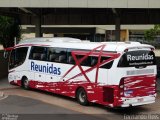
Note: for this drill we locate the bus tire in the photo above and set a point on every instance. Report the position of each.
(25, 83)
(81, 96)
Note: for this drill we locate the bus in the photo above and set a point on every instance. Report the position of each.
(113, 74)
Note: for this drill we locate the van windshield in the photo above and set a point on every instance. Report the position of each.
(140, 58)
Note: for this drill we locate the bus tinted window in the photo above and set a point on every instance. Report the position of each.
(17, 57)
(70, 59)
(92, 61)
(63, 55)
(58, 55)
(107, 65)
(86, 61)
(137, 59)
(38, 53)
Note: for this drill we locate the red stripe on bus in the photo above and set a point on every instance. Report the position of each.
(86, 55)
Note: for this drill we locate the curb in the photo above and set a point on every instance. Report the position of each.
(9, 88)
(3, 96)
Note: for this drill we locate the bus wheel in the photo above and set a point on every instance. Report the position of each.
(82, 97)
(25, 83)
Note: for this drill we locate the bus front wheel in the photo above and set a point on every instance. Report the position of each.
(25, 83)
(82, 97)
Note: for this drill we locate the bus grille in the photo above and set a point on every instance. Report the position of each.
(139, 72)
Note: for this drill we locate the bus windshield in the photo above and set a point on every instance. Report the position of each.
(140, 58)
(17, 57)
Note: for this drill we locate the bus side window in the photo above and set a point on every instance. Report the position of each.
(58, 55)
(43, 57)
(71, 60)
(86, 61)
(62, 58)
(38, 53)
(36, 56)
(106, 65)
(52, 57)
(94, 61)
(51, 54)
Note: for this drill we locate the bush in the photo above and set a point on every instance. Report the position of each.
(9, 29)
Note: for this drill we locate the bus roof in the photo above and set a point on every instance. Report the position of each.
(74, 43)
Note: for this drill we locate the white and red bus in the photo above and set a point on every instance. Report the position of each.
(115, 74)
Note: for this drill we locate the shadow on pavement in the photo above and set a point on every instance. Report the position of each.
(4, 84)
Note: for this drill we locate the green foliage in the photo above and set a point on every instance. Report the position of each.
(152, 33)
(9, 29)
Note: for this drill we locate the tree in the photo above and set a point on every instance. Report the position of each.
(152, 33)
(9, 29)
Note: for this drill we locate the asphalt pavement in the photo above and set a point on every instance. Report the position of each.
(18, 104)
(4, 84)
(22, 108)
(14, 107)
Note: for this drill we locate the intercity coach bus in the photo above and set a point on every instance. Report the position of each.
(114, 74)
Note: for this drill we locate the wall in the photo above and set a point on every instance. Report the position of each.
(124, 35)
(3, 66)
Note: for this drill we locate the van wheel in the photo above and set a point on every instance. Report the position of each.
(25, 83)
(82, 97)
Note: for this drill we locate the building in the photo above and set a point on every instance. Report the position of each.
(97, 20)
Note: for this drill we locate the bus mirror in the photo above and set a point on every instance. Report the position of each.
(5, 54)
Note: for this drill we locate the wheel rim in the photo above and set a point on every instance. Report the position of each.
(82, 96)
(26, 83)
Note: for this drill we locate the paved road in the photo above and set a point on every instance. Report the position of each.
(27, 109)
(37, 104)
(4, 84)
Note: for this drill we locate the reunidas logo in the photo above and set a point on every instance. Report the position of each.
(140, 57)
(48, 68)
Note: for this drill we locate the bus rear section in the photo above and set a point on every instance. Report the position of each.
(133, 80)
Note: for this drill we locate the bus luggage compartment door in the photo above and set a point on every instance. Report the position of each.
(108, 94)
